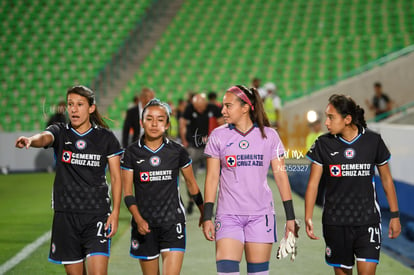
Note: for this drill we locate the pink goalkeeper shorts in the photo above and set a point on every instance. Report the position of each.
(245, 228)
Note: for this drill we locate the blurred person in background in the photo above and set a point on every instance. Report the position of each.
(59, 116)
(212, 99)
(315, 128)
(194, 129)
(131, 125)
(272, 104)
(380, 102)
(256, 83)
(133, 115)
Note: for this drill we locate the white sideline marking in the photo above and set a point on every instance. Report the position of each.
(24, 253)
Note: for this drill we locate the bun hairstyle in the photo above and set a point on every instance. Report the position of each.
(84, 91)
(252, 98)
(345, 105)
(159, 103)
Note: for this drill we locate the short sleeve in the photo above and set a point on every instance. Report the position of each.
(188, 112)
(278, 150)
(185, 159)
(315, 152)
(54, 129)
(114, 147)
(126, 163)
(213, 146)
(383, 154)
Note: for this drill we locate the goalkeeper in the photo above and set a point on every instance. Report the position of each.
(239, 156)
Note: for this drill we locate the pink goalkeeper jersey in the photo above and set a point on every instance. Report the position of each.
(245, 160)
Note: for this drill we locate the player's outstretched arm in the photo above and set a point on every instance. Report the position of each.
(389, 189)
(310, 198)
(116, 189)
(39, 140)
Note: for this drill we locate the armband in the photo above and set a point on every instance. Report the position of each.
(208, 211)
(130, 200)
(289, 211)
(395, 214)
(197, 198)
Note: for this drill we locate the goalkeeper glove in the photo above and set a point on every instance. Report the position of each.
(288, 245)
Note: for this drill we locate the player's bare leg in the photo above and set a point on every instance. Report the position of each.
(342, 271)
(172, 262)
(75, 269)
(97, 265)
(229, 249)
(258, 252)
(150, 267)
(366, 268)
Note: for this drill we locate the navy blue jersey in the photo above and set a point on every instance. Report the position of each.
(81, 160)
(155, 179)
(348, 171)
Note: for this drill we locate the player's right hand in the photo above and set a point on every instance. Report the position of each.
(22, 142)
(143, 227)
(209, 230)
(309, 229)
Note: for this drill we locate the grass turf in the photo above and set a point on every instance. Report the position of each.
(26, 215)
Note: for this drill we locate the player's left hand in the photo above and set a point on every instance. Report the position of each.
(112, 224)
(394, 228)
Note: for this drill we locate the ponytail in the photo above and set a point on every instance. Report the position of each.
(84, 91)
(345, 105)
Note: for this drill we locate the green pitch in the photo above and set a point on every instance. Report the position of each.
(26, 215)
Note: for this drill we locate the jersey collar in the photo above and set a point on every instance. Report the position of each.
(233, 127)
(361, 131)
(68, 126)
(141, 144)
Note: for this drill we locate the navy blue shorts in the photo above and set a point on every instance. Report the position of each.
(344, 244)
(78, 236)
(160, 239)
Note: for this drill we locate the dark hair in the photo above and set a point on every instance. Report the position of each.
(377, 84)
(212, 95)
(159, 103)
(257, 115)
(84, 91)
(345, 105)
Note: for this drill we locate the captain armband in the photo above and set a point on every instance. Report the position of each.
(129, 201)
(197, 198)
(208, 211)
(289, 211)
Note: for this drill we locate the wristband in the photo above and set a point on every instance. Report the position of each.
(197, 198)
(129, 201)
(289, 211)
(395, 214)
(208, 211)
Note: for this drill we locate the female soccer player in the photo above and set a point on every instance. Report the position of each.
(151, 166)
(239, 154)
(83, 223)
(345, 158)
